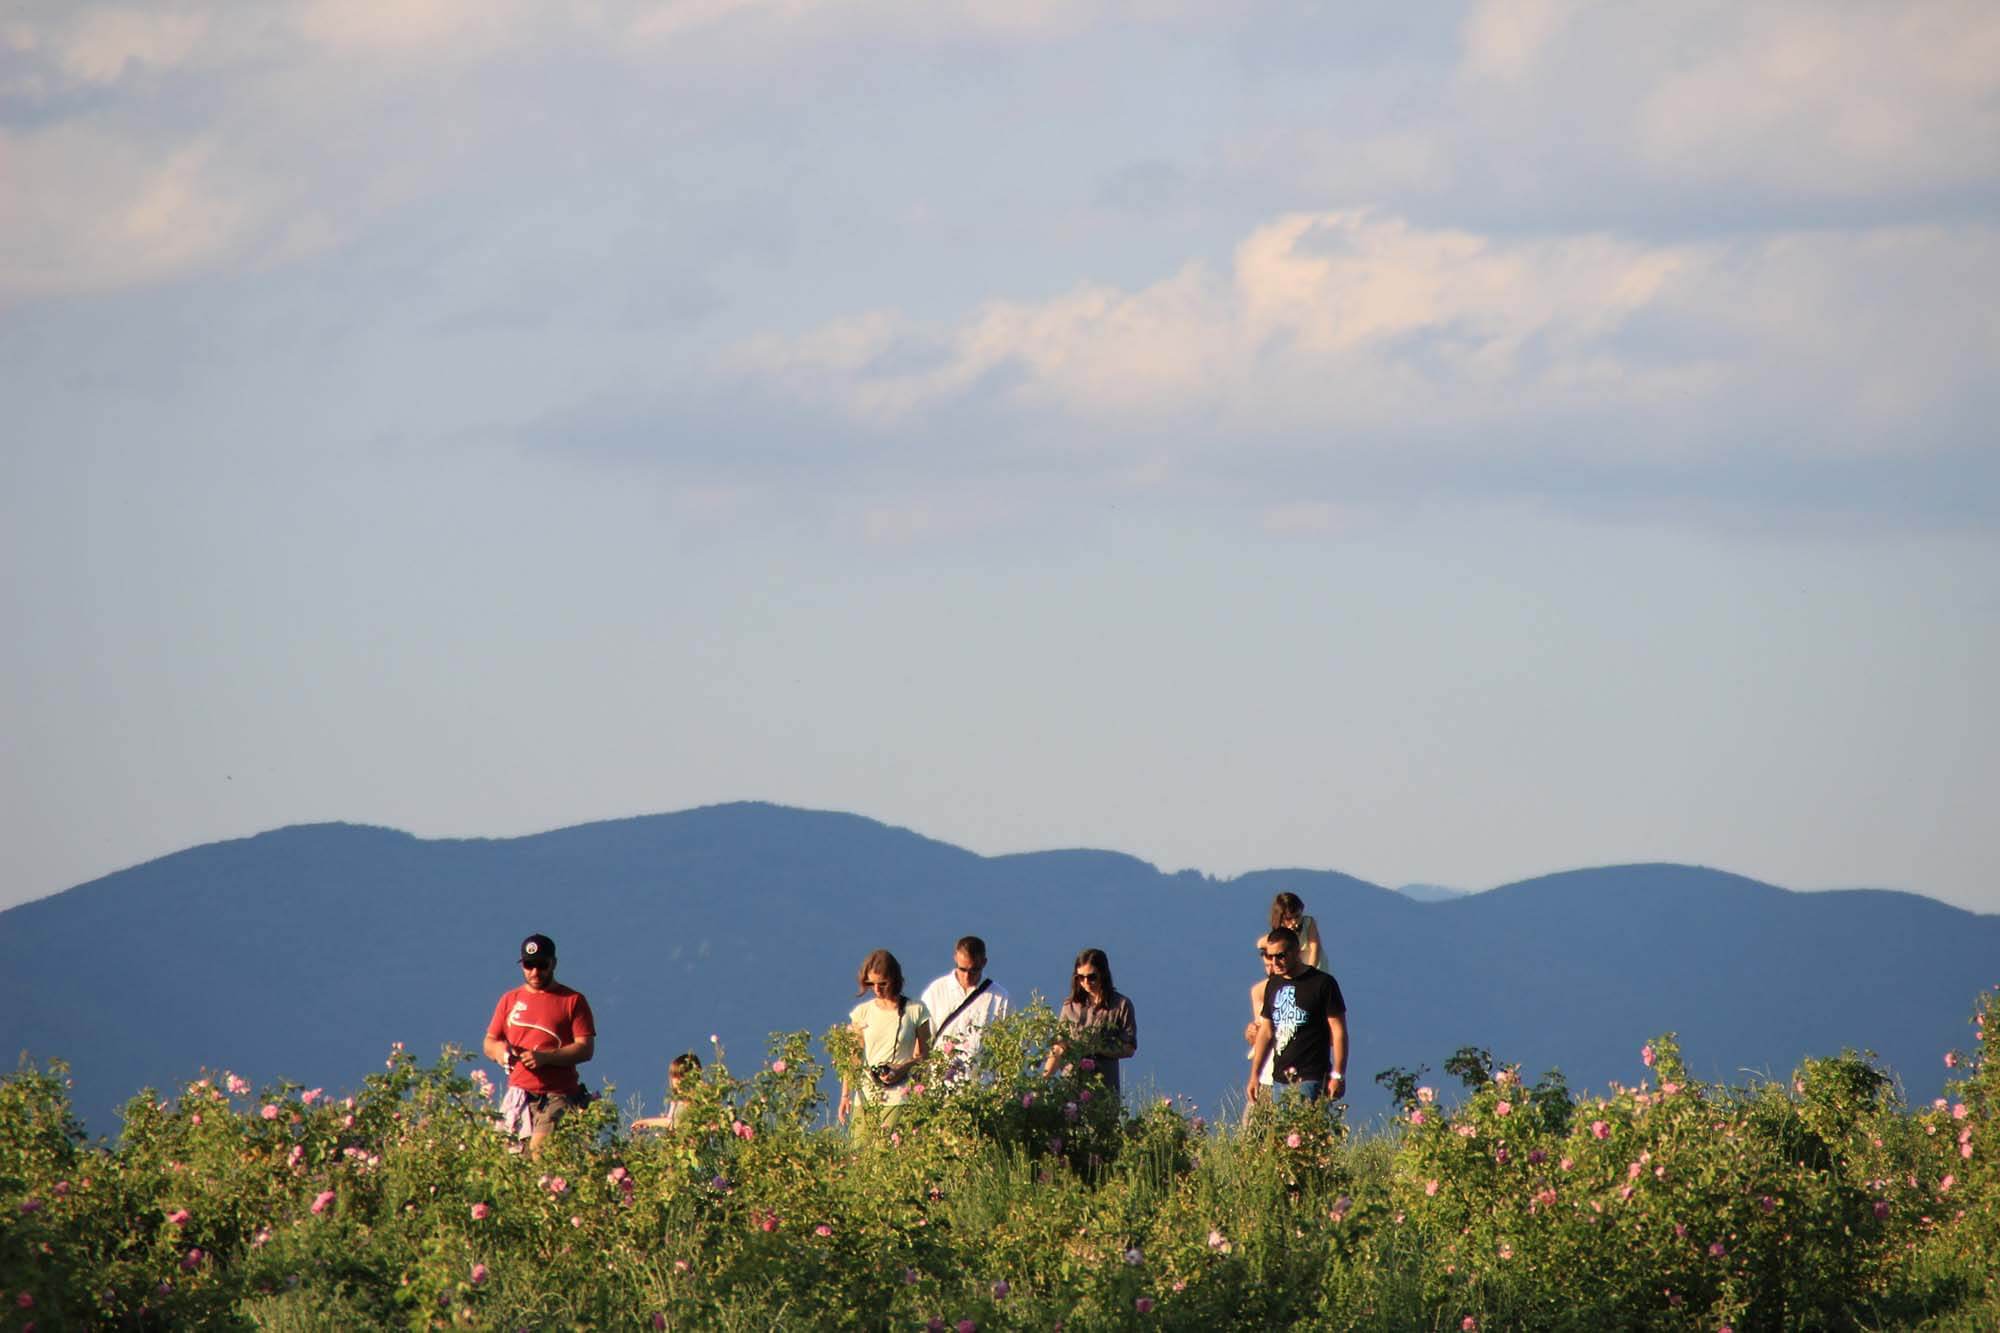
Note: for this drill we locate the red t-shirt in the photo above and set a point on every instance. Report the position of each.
(541, 1020)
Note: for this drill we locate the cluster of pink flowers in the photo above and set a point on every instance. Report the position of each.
(321, 1203)
(742, 1131)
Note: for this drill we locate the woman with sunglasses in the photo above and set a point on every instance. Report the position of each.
(895, 1034)
(1096, 1020)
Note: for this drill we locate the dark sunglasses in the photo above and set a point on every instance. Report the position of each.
(1274, 957)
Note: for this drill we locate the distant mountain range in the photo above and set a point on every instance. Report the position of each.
(304, 952)
(1430, 893)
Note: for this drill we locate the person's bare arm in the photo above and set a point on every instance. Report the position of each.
(1260, 1047)
(1256, 1009)
(1336, 1030)
(561, 1057)
(1309, 947)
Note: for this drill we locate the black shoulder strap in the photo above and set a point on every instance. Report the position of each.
(977, 991)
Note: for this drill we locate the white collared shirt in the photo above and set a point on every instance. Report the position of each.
(945, 994)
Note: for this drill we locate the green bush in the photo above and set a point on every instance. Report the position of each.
(1011, 1200)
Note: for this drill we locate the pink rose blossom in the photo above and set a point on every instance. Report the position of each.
(1416, 1117)
(1646, 1055)
(239, 1086)
(778, 1066)
(320, 1203)
(25, 1301)
(1469, 1324)
(1430, 1189)
(1944, 1186)
(1506, 1251)
(1717, 1250)
(1503, 1108)
(1086, 1064)
(478, 1274)
(967, 1326)
(1293, 1140)
(1566, 1163)
(179, 1217)
(558, 1185)
(191, 1260)
(1881, 1210)
(1000, 1290)
(822, 1230)
(269, 1112)
(1599, 1129)
(1144, 1305)
(1951, 1059)
(480, 1212)
(1958, 1112)
(659, 1321)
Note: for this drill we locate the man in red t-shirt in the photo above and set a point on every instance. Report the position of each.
(540, 1032)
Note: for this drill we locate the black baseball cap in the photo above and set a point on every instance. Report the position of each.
(538, 949)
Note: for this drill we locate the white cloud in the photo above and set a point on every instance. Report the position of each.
(1868, 97)
(106, 42)
(1504, 39)
(89, 211)
(1781, 95)
(1325, 319)
(1347, 325)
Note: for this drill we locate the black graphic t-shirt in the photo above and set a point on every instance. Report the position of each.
(1298, 1008)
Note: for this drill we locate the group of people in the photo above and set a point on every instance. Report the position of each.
(542, 1030)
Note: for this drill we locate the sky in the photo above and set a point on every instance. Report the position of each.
(1444, 446)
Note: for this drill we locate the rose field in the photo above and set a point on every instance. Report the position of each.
(1016, 1201)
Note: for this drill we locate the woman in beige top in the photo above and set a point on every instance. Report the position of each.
(895, 1034)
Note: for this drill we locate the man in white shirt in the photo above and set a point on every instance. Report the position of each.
(962, 1002)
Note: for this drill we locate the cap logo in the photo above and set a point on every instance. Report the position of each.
(532, 947)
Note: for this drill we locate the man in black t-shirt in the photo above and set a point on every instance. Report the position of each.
(1305, 1018)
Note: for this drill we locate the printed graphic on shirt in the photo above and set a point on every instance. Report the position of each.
(1286, 1016)
(514, 1020)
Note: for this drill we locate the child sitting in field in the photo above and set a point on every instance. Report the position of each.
(686, 1063)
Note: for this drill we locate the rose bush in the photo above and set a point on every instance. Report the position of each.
(1009, 1200)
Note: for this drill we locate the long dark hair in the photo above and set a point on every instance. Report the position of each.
(884, 962)
(1287, 905)
(1096, 958)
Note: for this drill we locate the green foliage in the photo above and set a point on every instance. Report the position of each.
(1012, 1200)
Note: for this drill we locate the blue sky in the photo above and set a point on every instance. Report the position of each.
(1441, 447)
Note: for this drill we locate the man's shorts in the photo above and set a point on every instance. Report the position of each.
(526, 1115)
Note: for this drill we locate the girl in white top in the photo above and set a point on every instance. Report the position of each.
(895, 1034)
